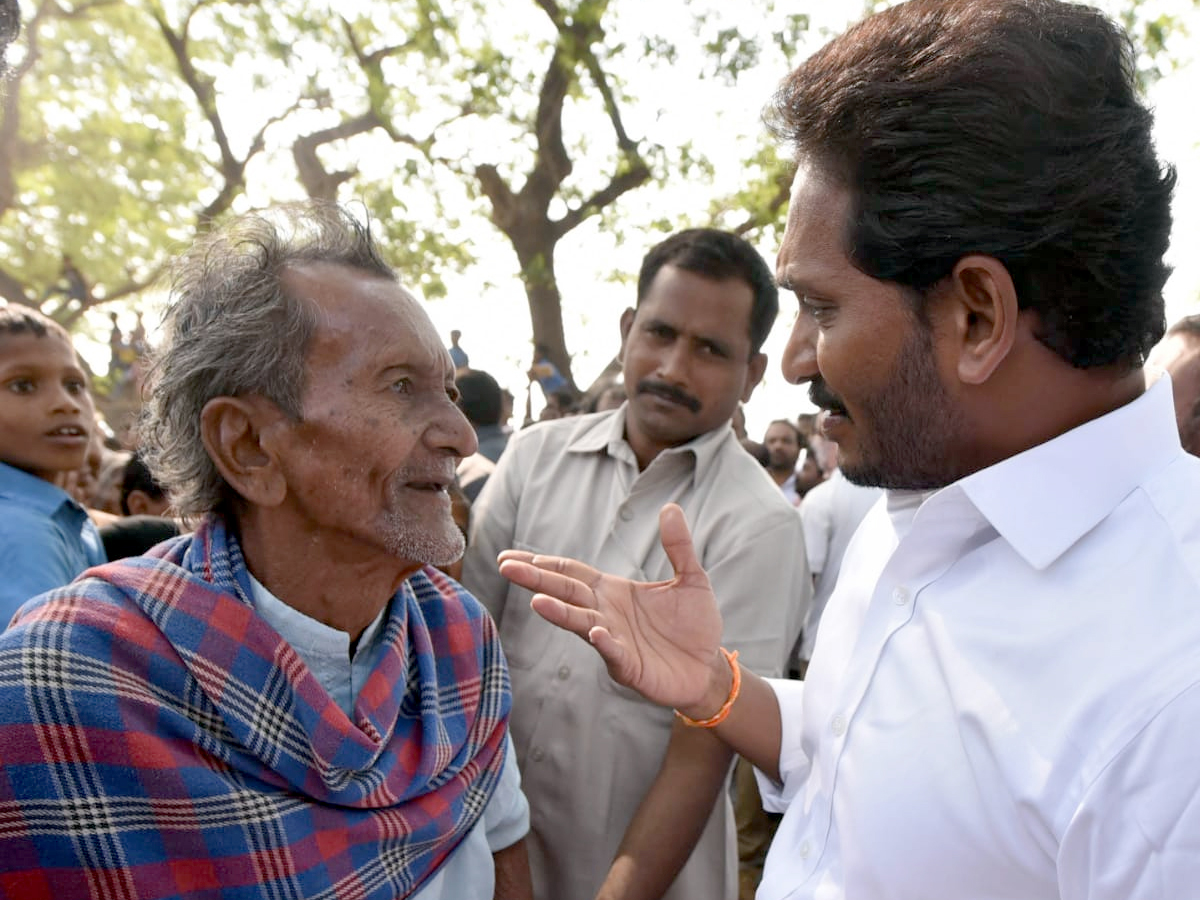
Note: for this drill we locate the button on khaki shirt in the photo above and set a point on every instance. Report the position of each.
(589, 749)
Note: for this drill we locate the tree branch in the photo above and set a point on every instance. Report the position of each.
(620, 184)
(319, 183)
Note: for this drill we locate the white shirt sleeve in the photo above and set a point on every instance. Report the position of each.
(470, 871)
(506, 817)
(793, 764)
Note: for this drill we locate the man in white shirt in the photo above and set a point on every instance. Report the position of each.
(831, 512)
(1004, 696)
(619, 795)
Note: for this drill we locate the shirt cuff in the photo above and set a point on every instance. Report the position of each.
(789, 694)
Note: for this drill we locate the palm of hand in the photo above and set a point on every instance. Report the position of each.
(661, 639)
(668, 633)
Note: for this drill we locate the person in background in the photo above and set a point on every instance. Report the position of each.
(290, 701)
(1004, 696)
(46, 421)
(482, 402)
(144, 522)
(458, 355)
(757, 451)
(610, 398)
(783, 443)
(831, 513)
(559, 405)
(627, 801)
(1179, 354)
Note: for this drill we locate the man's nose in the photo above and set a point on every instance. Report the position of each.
(673, 363)
(799, 362)
(454, 432)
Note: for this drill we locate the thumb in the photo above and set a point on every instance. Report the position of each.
(677, 542)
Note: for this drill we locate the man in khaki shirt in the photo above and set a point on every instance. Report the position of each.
(619, 793)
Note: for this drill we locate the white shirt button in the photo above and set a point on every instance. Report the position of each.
(564, 672)
(900, 596)
(805, 850)
(839, 725)
(626, 514)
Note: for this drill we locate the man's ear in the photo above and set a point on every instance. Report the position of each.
(138, 502)
(755, 369)
(984, 305)
(626, 325)
(236, 433)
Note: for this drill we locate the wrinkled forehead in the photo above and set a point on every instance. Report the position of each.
(362, 319)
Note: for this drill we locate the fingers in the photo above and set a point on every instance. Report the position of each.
(570, 618)
(677, 542)
(550, 575)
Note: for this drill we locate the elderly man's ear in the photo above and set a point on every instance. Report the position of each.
(241, 436)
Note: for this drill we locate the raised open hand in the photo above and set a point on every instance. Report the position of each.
(662, 639)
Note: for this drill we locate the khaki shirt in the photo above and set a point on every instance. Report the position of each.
(588, 748)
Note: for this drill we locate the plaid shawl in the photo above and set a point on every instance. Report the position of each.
(159, 739)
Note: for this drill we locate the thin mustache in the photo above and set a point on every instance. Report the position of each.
(821, 396)
(670, 392)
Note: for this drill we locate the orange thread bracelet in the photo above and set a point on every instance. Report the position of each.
(723, 713)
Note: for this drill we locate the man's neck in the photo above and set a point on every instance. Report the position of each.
(334, 582)
(781, 475)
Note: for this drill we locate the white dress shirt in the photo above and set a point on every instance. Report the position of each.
(1005, 700)
(469, 872)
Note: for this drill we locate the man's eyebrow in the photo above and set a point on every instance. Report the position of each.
(793, 283)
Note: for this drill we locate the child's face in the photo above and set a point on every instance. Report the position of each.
(46, 412)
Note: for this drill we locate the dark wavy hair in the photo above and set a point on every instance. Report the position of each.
(718, 255)
(18, 319)
(1010, 128)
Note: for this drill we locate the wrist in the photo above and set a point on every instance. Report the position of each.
(724, 685)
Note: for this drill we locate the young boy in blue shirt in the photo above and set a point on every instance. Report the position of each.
(46, 418)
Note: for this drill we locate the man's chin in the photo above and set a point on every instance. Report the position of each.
(432, 547)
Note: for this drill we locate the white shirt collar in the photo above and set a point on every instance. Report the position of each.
(325, 650)
(1043, 500)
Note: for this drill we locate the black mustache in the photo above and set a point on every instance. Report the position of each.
(820, 395)
(670, 393)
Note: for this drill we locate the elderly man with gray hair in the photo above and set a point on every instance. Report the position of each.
(289, 702)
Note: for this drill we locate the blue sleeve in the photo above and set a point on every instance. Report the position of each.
(34, 558)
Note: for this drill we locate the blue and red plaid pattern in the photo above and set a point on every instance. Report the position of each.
(158, 739)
